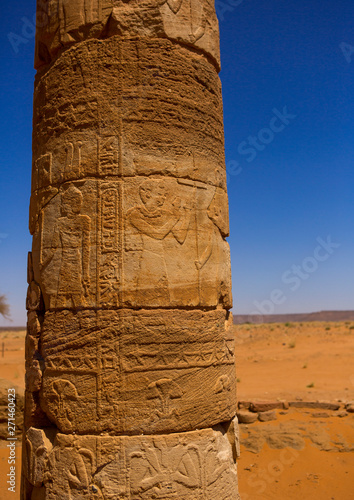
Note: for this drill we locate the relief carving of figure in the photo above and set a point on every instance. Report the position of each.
(218, 210)
(214, 224)
(154, 221)
(72, 236)
(37, 448)
(216, 220)
(160, 473)
(68, 478)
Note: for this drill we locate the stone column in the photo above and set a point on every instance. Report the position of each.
(131, 384)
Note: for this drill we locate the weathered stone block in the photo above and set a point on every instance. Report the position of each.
(62, 24)
(318, 405)
(132, 372)
(267, 416)
(246, 417)
(263, 406)
(186, 466)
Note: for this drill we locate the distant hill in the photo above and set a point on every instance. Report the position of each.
(240, 319)
(287, 318)
(12, 328)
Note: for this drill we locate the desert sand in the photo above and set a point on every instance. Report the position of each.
(304, 453)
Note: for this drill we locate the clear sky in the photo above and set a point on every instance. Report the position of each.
(287, 74)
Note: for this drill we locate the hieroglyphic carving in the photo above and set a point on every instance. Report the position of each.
(198, 21)
(223, 384)
(68, 396)
(108, 155)
(87, 364)
(212, 223)
(164, 391)
(73, 166)
(109, 214)
(186, 470)
(218, 213)
(38, 201)
(171, 356)
(34, 360)
(109, 272)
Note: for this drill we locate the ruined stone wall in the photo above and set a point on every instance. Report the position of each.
(130, 360)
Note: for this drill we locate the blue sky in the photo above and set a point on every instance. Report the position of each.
(287, 75)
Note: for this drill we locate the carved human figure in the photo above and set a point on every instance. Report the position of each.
(214, 223)
(68, 478)
(72, 235)
(37, 448)
(218, 210)
(214, 466)
(73, 160)
(154, 222)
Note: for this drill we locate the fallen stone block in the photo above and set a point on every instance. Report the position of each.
(261, 406)
(316, 405)
(246, 417)
(350, 407)
(267, 416)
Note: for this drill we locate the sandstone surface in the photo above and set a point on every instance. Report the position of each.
(130, 356)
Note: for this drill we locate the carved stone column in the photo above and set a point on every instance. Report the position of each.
(131, 384)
